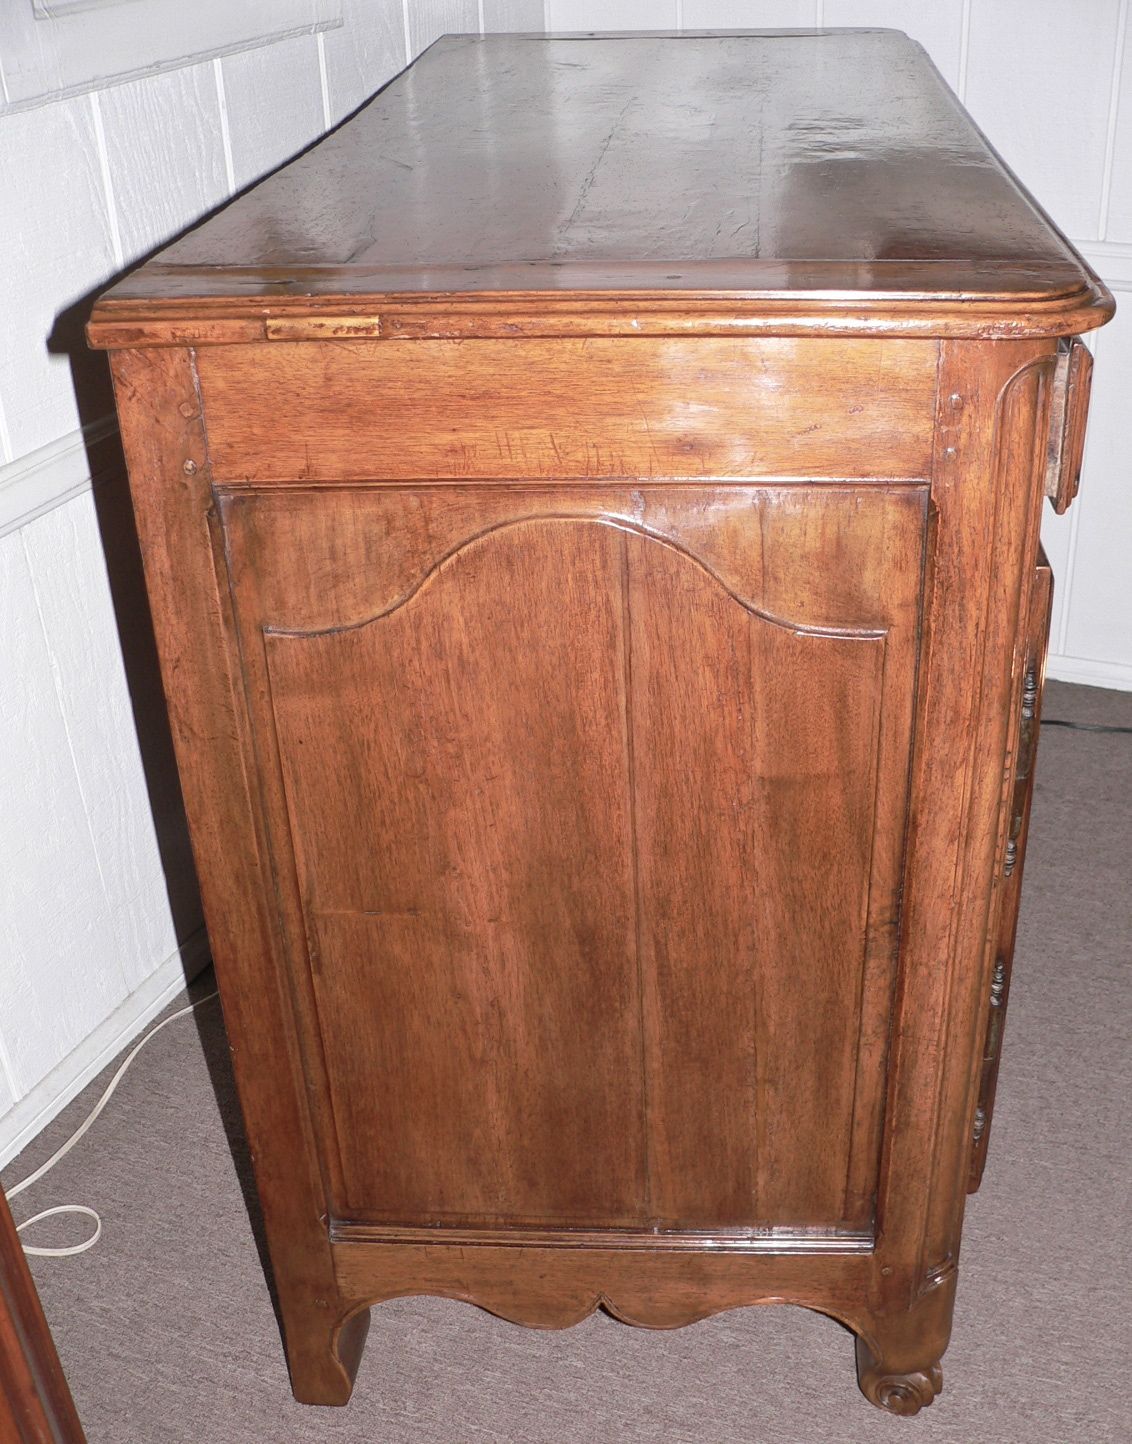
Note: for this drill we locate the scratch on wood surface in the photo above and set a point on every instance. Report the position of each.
(591, 174)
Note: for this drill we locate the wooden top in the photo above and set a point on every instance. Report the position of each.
(775, 181)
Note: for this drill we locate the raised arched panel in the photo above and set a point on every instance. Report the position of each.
(593, 863)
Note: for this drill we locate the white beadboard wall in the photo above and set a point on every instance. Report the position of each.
(94, 937)
(91, 944)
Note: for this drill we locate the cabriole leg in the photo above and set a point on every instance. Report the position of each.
(896, 1388)
(323, 1358)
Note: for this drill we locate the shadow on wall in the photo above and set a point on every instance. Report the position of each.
(90, 376)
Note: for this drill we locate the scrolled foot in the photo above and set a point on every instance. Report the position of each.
(896, 1393)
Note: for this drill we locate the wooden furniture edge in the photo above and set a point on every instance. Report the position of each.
(132, 323)
(35, 1403)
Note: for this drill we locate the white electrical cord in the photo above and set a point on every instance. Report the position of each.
(65, 1148)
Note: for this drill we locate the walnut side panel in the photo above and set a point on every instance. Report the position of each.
(457, 787)
(987, 492)
(769, 776)
(159, 409)
(290, 412)
(525, 754)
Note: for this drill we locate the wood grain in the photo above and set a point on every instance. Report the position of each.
(577, 866)
(473, 960)
(596, 725)
(601, 408)
(163, 440)
(35, 1402)
(631, 170)
(1029, 717)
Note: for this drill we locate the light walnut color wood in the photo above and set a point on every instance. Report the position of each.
(593, 408)
(592, 560)
(574, 609)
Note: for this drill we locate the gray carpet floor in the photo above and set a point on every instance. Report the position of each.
(167, 1333)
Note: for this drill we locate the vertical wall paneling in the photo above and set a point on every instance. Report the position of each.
(36, 1106)
(60, 972)
(7, 1085)
(225, 137)
(511, 15)
(61, 247)
(67, 47)
(1057, 534)
(737, 15)
(263, 135)
(1048, 112)
(1118, 220)
(5, 436)
(107, 182)
(1100, 605)
(1115, 86)
(612, 14)
(166, 154)
(964, 50)
(68, 569)
(366, 52)
(323, 81)
(938, 27)
(429, 19)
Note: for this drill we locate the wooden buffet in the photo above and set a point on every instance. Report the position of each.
(590, 510)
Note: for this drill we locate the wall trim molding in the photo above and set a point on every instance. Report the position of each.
(52, 53)
(1089, 673)
(35, 1110)
(52, 474)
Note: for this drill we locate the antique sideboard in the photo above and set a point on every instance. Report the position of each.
(590, 509)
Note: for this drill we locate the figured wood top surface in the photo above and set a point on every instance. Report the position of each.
(828, 176)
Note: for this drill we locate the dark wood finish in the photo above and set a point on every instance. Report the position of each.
(35, 1403)
(825, 181)
(594, 622)
(1029, 715)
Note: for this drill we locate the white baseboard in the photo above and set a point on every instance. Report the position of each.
(68, 1078)
(1089, 673)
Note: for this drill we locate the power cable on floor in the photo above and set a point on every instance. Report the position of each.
(65, 1148)
(1082, 726)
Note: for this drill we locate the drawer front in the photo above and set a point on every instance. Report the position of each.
(296, 412)
(587, 807)
(1030, 716)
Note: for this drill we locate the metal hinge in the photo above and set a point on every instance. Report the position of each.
(994, 1022)
(1027, 740)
